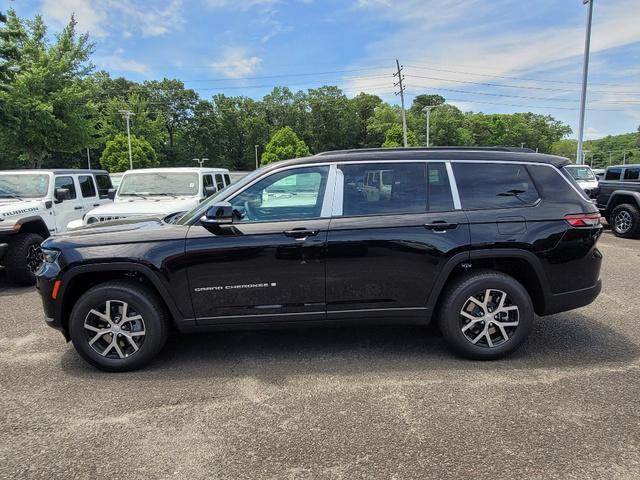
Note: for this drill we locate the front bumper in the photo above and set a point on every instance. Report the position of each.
(561, 302)
(45, 281)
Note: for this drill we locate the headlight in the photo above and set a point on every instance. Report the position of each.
(50, 256)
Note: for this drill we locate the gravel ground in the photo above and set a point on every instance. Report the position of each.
(373, 402)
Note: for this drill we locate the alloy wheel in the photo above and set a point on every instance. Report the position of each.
(35, 258)
(623, 222)
(114, 329)
(489, 319)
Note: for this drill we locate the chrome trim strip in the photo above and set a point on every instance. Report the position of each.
(329, 195)
(338, 194)
(259, 315)
(390, 309)
(454, 186)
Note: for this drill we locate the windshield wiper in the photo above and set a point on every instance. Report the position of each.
(162, 195)
(139, 195)
(6, 194)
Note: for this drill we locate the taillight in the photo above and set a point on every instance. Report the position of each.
(583, 219)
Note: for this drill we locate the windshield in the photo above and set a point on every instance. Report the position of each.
(159, 183)
(199, 210)
(23, 185)
(581, 173)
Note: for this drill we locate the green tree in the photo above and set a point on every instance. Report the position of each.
(421, 101)
(331, 123)
(115, 156)
(47, 106)
(364, 106)
(395, 137)
(283, 145)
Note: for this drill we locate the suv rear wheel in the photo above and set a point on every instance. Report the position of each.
(24, 258)
(625, 220)
(485, 315)
(119, 326)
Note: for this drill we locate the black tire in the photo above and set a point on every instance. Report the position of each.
(16, 263)
(452, 322)
(140, 299)
(625, 220)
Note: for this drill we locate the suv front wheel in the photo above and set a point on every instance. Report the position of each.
(486, 315)
(119, 326)
(625, 220)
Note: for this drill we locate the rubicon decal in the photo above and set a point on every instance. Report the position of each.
(20, 211)
(243, 286)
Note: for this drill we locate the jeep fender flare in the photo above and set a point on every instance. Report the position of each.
(464, 257)
(147, 272)
(618, 193)
(41, 229)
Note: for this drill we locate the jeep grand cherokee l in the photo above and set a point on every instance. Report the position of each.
(480, 240)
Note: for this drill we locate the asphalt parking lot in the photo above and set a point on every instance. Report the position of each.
(375, 402)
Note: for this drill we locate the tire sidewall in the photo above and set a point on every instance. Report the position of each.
(449, 321)
(634, 221)
(16, 261)
(154, 324)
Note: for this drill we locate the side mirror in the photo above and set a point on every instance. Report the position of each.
(111, 193)
(217, 216)
(62, 194)
(208, 191)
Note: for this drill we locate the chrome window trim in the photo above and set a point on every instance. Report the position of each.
(338, 193)
(457, 205)
(328, 199)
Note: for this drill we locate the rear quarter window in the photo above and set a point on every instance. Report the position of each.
(613, 174)
(494, 185)
(553, 186)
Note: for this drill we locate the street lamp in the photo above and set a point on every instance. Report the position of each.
(127, 115)
(427, 109)
(585, 72)
(256, 147)
(201, 161)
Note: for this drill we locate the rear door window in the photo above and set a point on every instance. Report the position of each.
(440, 198)
(87, 188)
(219, 181)
(631, 173)
(494, 185)
(227, 180)
(383, 188)
(207, 181)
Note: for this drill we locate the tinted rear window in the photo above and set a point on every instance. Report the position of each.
(631, 173)
(104, 184)
(379, 188)
(494, 185)
(553, 186)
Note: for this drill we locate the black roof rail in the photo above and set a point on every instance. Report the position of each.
(427, 149)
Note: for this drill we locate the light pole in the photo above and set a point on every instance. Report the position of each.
(427, 109)
(256, 147)
(585, 72)
(88, 158)
(201, 161)
(127, 115)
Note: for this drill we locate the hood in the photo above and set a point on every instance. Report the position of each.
(12, 208)
(116, 232)
(140, 206)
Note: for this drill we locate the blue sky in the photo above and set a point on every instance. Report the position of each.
(490, 56)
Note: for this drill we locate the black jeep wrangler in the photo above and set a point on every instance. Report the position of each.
(479, 240)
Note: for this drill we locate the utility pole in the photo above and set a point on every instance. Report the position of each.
(427, 109)
(127, 115)
(624, 158)
(201, 161)
(585, 73)
(401, 93)
(610, 154)
(256, 147)
(88, 158)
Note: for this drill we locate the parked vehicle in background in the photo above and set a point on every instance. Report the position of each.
(37, 203)
(585, 177)
(235, 176)
(480, 239)
(159, 192)
(619, 199)
(116, 178)
(599, 173)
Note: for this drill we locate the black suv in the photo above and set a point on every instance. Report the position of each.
(481, 240)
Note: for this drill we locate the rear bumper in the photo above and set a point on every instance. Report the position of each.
(561, 302)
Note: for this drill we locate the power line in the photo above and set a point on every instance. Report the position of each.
(524, 87)
(566, 82)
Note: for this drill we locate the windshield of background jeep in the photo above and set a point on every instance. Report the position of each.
(23, 185)
(581, 173)
(159, 183)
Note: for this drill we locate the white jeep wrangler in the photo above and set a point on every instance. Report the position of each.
(37, 203)
(161, 192)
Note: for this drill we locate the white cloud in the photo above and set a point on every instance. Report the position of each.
(101, 17)
(242, 4)
(89, 17)
(118, 62)
(235, 62)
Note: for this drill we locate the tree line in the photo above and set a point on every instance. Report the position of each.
(54, 106)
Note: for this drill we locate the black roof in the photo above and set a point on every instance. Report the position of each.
(58, 171)
(433, 153)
